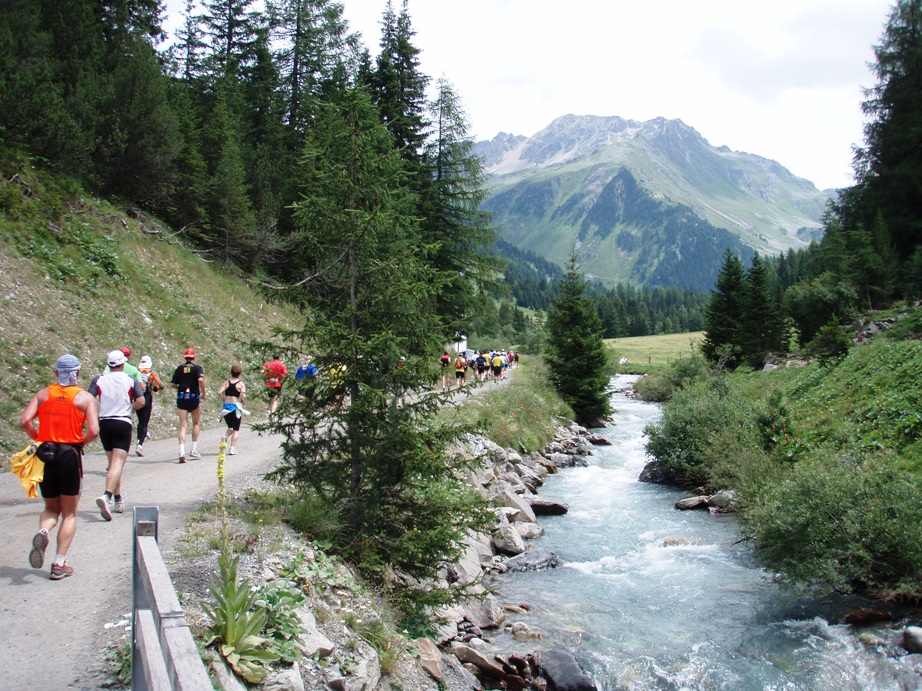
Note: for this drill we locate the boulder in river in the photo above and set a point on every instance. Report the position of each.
(563, 673)
(532, 560)
(699, 502)
(912, 639)
(542, 506)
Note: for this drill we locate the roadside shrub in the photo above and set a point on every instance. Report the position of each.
(852, 524)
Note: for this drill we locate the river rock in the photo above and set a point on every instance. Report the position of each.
(547, 507)
(430, 659)
(506, 539)
(598, 440)
(524, 632)
(521, 504)
(563, 673)
(725, 500)
(700, 502)
(529, 531)
(532, 560)
(866, 616)
(655, 473)
(486, 614)
(912, 639)
(484, 665)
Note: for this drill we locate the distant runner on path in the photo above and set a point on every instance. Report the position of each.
(275, 372)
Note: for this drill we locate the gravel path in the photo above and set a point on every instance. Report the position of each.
(53, 631)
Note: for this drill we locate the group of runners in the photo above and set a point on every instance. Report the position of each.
(484, 364)
(62, 418)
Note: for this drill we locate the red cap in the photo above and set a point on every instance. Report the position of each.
(189, 353)
(126, 351)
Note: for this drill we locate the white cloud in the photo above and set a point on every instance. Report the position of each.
(782, 79)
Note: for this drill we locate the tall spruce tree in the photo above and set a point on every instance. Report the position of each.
(574, 350)
(316, 49)
(759, 327)
(399, 87)
(889, 166)
(453, 224)
(364, 286)
(724, 312)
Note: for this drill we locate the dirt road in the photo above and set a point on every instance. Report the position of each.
(53, 631)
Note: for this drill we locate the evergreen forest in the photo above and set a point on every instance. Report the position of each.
(207, 130)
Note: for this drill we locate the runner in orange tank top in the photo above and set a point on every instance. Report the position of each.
(62, 409)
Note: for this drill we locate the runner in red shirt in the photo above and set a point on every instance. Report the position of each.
(274, 372)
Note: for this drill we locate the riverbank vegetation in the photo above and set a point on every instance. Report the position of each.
(826, 460)
(825, 456)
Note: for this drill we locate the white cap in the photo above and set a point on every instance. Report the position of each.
(116, 358)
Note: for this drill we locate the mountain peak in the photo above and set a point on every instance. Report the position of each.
(555, 178)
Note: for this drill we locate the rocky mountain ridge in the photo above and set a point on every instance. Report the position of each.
(544, 187)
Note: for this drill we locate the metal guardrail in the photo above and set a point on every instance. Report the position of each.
(163, 653)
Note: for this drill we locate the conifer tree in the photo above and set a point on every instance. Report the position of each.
(399, 87)
(759, 326)
(453, 224)
(574, 350)
(364, 285)
(889, 166)
(316, 49)
(724, 312)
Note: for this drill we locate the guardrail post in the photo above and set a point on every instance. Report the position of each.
(146, 521)
(163, 653)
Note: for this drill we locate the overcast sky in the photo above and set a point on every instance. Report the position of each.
(780, 79)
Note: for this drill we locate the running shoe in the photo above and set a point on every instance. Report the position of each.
(119, 506)
(37, 555)
(62, 571)
(233, 451)
(104, 509)
(194, 454)
(139, 451)
(182, 459)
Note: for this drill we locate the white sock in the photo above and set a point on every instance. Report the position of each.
(194, 447)
(59, 559)
(182, 449)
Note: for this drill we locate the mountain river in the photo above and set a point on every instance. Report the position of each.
(649, 597)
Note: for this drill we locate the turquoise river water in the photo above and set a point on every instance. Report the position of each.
(642, 612)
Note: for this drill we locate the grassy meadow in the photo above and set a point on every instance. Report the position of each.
(648, 353)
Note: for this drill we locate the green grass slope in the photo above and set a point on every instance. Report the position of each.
(81, 275)
(826, 460)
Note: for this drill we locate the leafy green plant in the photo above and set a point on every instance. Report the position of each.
(238, 621)
(280, 599)
(117, 665)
